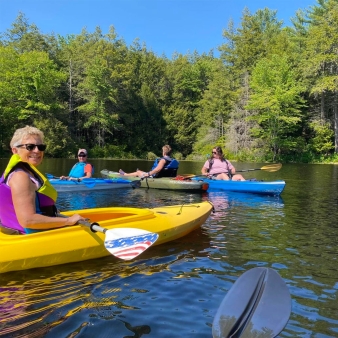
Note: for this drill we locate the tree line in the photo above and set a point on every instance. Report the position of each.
(270, 95)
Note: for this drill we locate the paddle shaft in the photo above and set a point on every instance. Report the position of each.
(91, 181)
(242, 171)
(269, 168)
(49, 176)
(94, 227)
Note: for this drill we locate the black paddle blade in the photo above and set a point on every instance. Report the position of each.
(258, 305)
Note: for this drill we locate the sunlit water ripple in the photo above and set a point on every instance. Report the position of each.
(174, 290)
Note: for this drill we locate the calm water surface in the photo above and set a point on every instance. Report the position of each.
(173, 290)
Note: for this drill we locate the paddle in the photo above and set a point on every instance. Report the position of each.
(269, 168)
(124, 243)
(91, 182)
(88, 182)
(257, 305)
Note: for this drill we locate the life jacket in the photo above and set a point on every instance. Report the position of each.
(45, 199)
(211, 162)
(78, 170)
(170, 168)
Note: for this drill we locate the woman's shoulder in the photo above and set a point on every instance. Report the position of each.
(19, 175)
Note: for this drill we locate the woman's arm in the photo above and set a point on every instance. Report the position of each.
(23, 195)
(88, 171)
(205, 168)
(204, 171)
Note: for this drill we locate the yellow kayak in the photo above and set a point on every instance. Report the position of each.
(78, 243)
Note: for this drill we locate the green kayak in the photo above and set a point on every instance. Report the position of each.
(165, 183)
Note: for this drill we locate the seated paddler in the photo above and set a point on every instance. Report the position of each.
(166, 166)
(27, 198)
(219, 168)
(81, 169)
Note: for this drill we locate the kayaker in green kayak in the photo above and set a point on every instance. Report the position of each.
(219, 168)
(166, 166)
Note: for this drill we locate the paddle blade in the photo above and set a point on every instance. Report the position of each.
(257, 305)
(128, 243)
(88, 182)
(272, 167)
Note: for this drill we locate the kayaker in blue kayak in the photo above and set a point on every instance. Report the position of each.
(81, 169)
(27, 198)
(219, 168)
(166, 166)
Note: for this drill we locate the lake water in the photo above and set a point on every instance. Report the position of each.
(174, 290)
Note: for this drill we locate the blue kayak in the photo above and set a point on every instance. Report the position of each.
(255, 187)
(92, 184)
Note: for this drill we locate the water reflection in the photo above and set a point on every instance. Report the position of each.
(82, 297)
(139, 197)
(176, 288)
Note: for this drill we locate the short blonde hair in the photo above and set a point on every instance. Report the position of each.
(167, 149)
(22, 133)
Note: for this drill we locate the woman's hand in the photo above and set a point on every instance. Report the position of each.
(72, 220)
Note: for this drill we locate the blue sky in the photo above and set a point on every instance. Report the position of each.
(165, 26)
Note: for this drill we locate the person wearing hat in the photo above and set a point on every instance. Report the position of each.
(81, 169)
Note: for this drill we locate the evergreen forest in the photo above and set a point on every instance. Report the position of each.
(271, 94)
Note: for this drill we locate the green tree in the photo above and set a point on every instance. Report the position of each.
(189, 78)
(98, 95)
(214, 109)
(29, 84)
(26, 37)
(253, 40)
(276, 103)
(320, 60)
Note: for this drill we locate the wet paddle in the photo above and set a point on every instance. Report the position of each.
(257, 305)
(124, 243)
(269, 168)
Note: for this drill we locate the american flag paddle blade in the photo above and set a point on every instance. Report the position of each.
(127, 243)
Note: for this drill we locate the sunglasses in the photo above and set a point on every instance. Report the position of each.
(214, 152)
(31, 146)
(81, 155)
